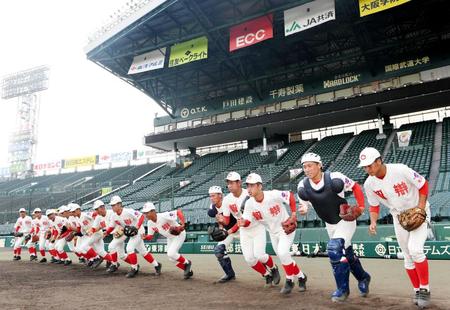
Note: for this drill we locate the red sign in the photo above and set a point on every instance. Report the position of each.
(251, 32)
(47, 166)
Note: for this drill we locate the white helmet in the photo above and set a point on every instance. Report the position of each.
(215, 190)
(311, 157)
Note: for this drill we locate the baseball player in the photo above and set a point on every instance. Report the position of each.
(30, 238)
(75, 235)
(268, 208)
(166, 224)
(21, 229)
(220, 250)
(60, 232)
(400, 189)
(50, 235)
(92, 224)
(253, 237)
(131, 221)
(41, 225)
(324, 191)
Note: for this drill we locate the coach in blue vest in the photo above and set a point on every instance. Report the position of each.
(324, 191)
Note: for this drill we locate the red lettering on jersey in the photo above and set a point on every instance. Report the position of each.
(275, 210)
(102, 224)
(117, 222)
(127, 221)
(166, 226)
(155, 229)
(234, 208)
(401, 189)
(59, 225)
(380, 194)
(257, 215)
(85, 222)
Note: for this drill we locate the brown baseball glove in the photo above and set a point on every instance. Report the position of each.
(118, 232)
(349, 213)
(176, 230)
(412, 218)
(289, 225)
(35, 238)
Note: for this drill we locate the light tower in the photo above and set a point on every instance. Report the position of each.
(26, 87)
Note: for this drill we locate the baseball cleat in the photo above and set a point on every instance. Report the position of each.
(113, 268)
(108, 264)
(302, 283)
(133, 272)
(275, 275)
(158, 269)
(90, 263)
(15, 257)
(226, 278)
(59, 262)
(53, 260)
(97, 262)
(364, 286)
(423, 300)
(269, 280)
(43, 260)
(187, 270)
(339, 296)
(82, 260)
(416, 297)
(33, 258)
(288, 286)
(67, 262)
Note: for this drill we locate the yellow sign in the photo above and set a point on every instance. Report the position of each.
(185, 52)
(367, 7)
(79, 162)
(106, 190)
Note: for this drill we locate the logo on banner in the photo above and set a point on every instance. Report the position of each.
(185, 112)
(404, 137)
(308, 16)
(188, 51)
(149, 61)
(251, 32)
(342, 80)
(367, 7)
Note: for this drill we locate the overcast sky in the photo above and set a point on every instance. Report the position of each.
(86, 110)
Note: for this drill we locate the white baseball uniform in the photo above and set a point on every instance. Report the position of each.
(41, 226)
(23, 225)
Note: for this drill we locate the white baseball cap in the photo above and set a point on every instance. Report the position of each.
(37, 210)
(253, 178)
(98, 204)
(233, 176)
(215, 190)
(368, 156)
(50, 211)
(72, 207)
(61, 209)
(115, 200)
(149, 206)
(311, 157)
(22, 210)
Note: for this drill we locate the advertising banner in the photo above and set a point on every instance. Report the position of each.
(47, 166)
(251, 32)
(308, 16)
(404, 137)
(367, 7)
(79, 162)
(149, 61)
(188, 51)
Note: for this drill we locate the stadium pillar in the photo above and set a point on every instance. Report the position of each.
(264, 150)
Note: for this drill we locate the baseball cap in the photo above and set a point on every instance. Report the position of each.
(311, 157)
(148, 207)
(115, 200)
(22, 210)
(72, 207)
(97, 204)
(37, 210)
(215, 190)
(253, 178)
(368, 156)
(50, 211)
(233, 176)
(61, 209)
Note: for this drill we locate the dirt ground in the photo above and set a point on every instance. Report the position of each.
(30, 285)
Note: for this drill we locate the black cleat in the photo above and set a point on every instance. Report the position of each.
(423, 301)
(133, 272)
(90, 263)
(158, 269)
(302, 283)
(17, 257)
(53, 260)
(275, 275)
(59, 262)
(43, 260)
(288, 286)
(33, 258)
(226, 278)
(113, 268)
(187, 270)
(269, 280)
(82, 260)
(97, 262)
(67, 262)
(108, 264)
(416, 297)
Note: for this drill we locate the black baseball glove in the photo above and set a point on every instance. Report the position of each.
(217, 234)
(130, 231)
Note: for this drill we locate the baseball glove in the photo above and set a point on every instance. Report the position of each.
(217, 234)
(70, 236)
(18, 234)
(27, 238)
(130, 231)
(176, 230)
(35, 238)
(412, 218)
(289, 225)
(63, 229)
(48, 235)
(118, 232)
(349, 213)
